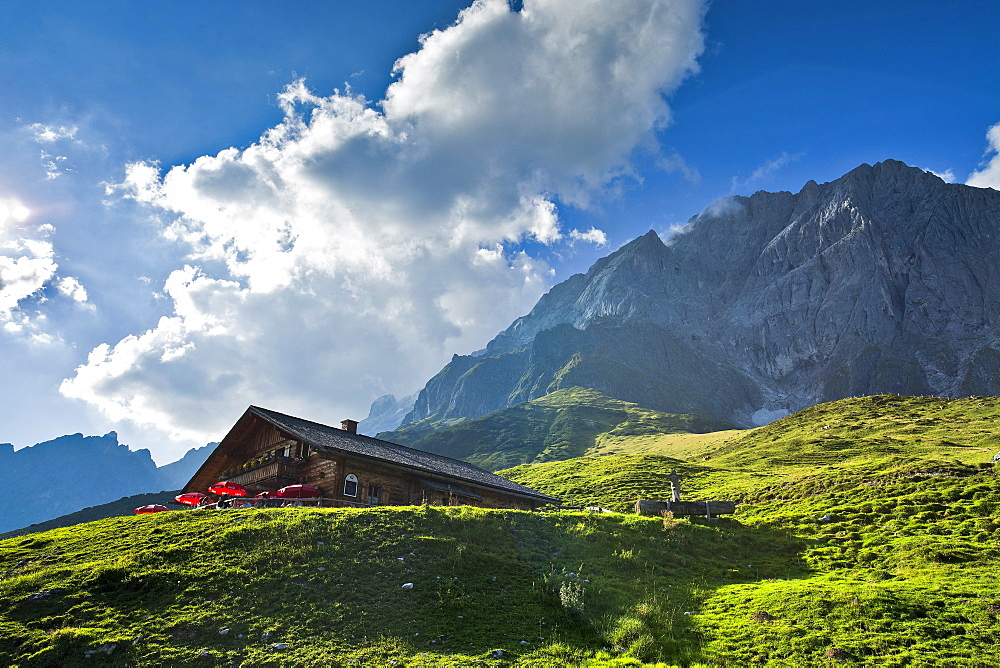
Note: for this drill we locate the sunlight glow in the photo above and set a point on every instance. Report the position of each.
(12, 211)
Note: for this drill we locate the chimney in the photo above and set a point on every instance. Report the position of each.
(350, 426)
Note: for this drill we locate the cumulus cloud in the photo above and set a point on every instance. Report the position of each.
(26, 264)
(593, 235)
(989, 175)
(364, 243)
(72, 288)
(27, 267)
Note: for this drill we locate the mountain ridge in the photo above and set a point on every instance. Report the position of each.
(72, 472)
(881, 281)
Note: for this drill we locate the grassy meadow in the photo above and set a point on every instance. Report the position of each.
(866, 534)
(326, 587)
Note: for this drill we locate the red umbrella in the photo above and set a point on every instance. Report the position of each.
(191, 498)
(228, 488)
(151, 508)
(266, 495)
(299, 492)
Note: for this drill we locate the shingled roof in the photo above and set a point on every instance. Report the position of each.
(322, 436)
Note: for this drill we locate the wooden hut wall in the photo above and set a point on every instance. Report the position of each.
(328, 471)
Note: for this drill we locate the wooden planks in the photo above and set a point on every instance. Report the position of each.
(685, 508)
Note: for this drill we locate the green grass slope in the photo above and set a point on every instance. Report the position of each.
(567, 423)
(874, 434)
(614, 482)
(872, 428)
(896, 503)
(287, 587)
(867, 534)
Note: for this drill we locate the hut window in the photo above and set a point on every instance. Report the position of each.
(351, 485)
(374, 492)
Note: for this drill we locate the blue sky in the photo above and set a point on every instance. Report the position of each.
(391, 219)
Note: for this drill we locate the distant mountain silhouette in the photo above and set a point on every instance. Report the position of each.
(123, 507)
(69, 473)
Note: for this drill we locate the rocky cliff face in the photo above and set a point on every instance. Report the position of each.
(885, 280)
(386, 413)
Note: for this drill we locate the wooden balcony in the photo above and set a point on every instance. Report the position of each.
(273, 474)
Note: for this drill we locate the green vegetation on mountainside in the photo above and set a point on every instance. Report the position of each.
(872, 428)
(567, 423)
(613, 482)
(896, 502)
(325, 587)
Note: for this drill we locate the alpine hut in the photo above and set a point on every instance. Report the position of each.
(266, 450)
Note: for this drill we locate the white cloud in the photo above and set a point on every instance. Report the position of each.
(674, 163)
(948, 176)
(48, 134)
(593, 235)
(728, 205)
(54, 165)
(763, 172)
(27, 267)
(26, 264)
(989, 175)
(669, 236)
(363, 244)
(720, 208)
(72, 288)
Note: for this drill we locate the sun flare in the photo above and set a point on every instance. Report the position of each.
(12, 211)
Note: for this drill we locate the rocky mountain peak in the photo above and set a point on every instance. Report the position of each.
(616, 286)
(885, 280)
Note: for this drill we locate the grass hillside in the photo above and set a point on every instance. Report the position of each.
(326, 587)
(867, 534)
(873, 428)
(568, 423)
(896, 503)
(873, 434)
